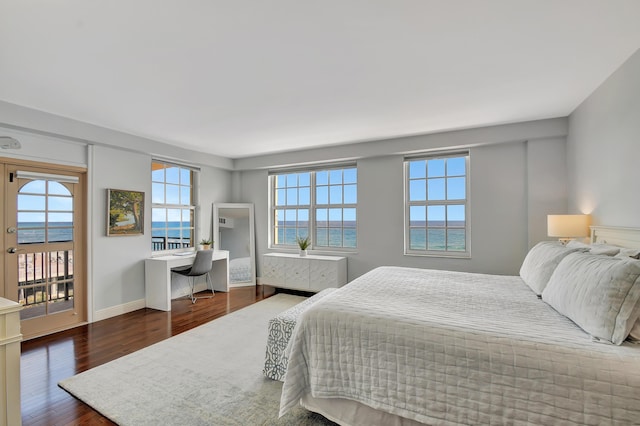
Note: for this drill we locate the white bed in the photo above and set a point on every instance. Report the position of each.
(240, 270)
(406, 346)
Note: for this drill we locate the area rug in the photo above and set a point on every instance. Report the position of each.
(210, 375)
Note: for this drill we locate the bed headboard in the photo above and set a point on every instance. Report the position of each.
(616, 235)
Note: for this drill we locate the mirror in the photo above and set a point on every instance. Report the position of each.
(233, 231)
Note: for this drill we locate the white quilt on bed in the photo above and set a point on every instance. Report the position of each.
(240, 269)
(446, 347)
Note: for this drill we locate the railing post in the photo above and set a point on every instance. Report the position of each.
(66, 274)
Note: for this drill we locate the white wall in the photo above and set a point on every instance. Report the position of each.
(603, 149)
(512, 169)
(508, 196)
(34, 122)
(498, 209)
(44, 148)
(117, 262)
(517, 178)
(120, 161)
(546, 185)
(215, 187)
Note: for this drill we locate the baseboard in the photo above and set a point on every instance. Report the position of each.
(241, 285)
(114, 311)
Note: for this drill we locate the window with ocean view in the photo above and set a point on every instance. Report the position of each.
(437, 207)
(173, 207)
(45, 213)
(45, 219)
(317, 203)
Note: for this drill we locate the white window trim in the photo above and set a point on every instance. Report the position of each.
(195, 207)
(467, 201)
(312, 206)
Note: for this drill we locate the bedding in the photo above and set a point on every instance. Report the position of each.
(240, 270)
(604, 249)
(634, 334)
(598, 292)
(442, 347)
(280, 330)
(541, 261)
(625, 253)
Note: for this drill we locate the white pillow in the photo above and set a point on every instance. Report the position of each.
(540, 263)
(604, 249)
(577, 244)
(597, 248)
(599, 293)
(627, 252)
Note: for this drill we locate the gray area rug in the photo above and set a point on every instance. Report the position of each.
(210, 375)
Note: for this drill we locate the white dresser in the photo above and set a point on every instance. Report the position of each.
(10, 339)
(309, 273)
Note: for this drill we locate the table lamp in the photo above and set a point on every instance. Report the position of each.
(568, 226)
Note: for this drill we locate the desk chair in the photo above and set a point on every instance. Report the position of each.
(201, 266)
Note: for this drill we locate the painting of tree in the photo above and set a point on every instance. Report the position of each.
(126, 212)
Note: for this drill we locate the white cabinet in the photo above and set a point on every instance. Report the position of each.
(296, 273)
(10, 338)
(309, 273)
(272, 270)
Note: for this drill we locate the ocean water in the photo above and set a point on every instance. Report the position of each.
(433, 237)
(421, 238)
(325, 237)
(34, 232)
(437, 239)
(172, 230)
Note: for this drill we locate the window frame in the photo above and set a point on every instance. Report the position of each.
(408, 251)
(193, 207)
(312, 207)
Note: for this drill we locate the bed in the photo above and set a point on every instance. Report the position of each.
(403, 346)
(240, 270)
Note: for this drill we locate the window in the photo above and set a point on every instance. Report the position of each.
(45, 212)
(173, 206)
(437, 205)
(317, 203)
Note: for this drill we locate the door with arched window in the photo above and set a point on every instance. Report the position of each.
(44, 256)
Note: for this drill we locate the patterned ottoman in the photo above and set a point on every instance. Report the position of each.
(280, 330)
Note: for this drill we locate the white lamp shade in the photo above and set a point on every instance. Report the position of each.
(568, 225)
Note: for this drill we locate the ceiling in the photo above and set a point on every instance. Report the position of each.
(241, 78)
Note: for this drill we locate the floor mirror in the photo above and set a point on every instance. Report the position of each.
(233, 230)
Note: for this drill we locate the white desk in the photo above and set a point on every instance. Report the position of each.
(157, 276)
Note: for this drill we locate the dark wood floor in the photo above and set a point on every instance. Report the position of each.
(47, 360)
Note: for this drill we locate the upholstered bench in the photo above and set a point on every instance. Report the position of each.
(280, 329)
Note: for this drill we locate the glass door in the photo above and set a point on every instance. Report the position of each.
(44, 249)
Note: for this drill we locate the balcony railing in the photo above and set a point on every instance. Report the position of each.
(45, 282)
(164, 243)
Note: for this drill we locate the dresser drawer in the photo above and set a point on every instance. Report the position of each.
(296, 274)
(273, 271)
(307, 273)
(323, 274)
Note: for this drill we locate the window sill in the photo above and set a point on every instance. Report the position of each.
(318, 252)
(440, 255)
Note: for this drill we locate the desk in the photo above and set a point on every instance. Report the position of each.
(157, 276)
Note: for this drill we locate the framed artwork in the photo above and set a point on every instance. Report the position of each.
(125, 210)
